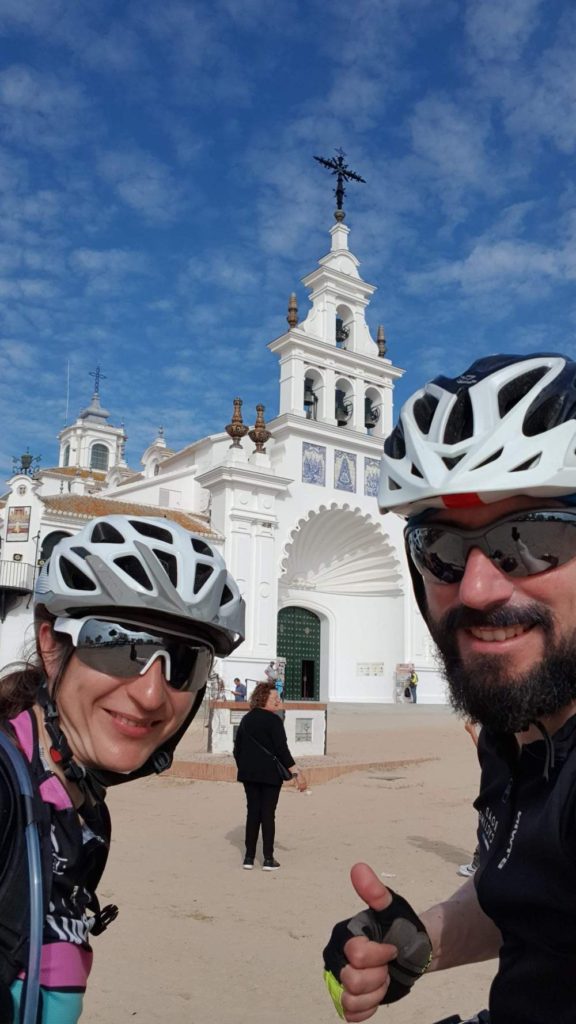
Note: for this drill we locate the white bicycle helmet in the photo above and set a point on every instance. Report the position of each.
(506, 426)
(149, 571)
(143, 572)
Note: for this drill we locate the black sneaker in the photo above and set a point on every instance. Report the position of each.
(248, 863)
(270, 864)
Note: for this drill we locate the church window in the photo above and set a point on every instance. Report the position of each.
(343, 407)
(342, 333)
(310, 399)
(66, 456)
(99, 457)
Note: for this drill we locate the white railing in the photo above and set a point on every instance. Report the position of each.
(16, 575)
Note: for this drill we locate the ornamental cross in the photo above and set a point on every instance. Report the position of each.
(98, 376)
(343, 173)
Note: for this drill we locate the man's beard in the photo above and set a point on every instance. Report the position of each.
(484, 690)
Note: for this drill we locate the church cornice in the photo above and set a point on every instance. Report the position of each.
(290, 424)
(244, 474)
(304, 346)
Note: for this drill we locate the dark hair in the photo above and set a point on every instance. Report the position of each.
(260, 694)
(18, 689)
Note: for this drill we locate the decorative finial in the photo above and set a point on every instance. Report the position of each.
(381, 341)
(292, 317)
(343, 173)
(259, 434)
(237, 429)
(160, 431)
(26, 465)
(98, 376)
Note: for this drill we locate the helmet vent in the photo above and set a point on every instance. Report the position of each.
(515, 390)
(393, 486)
(202, 575)
(528, 464)
(423, 411)
(416, 472)
(491, 458)
(451, 462)
(460, 423)
(201, 548)
(105, 533)
(227, 595)
(169, 564)
(131, 566)
(73, 577)
(542, 416)
(151, 530)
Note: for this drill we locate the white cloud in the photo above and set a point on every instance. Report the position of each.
(144, 183)
(499, 30)
(39, 109)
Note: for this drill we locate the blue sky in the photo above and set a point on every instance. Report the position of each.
(159, 200)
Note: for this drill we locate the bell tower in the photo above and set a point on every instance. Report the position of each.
(331, 369)
(92, 443)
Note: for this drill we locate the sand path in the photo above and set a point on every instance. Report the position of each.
(200, 940)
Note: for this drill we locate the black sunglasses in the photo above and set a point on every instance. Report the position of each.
(521, 544)
(126, 651)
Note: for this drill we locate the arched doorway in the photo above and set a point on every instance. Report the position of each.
(49, 543)
(299, 643)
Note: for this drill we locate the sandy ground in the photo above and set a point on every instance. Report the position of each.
(198, 939)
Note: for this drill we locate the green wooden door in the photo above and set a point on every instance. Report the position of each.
(299, 643)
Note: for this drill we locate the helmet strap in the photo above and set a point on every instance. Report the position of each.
(60, 752)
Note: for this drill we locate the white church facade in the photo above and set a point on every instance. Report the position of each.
(291, 504)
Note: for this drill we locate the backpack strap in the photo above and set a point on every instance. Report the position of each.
(14, 890)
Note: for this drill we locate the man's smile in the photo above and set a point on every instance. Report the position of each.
(490, 634)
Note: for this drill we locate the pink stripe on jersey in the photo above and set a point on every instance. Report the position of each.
(52, 790)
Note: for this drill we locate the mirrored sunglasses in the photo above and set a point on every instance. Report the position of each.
(522, 544)
(126, 651)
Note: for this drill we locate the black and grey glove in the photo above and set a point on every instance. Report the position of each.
(397, 925)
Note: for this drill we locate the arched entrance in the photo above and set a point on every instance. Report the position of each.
(299, 642)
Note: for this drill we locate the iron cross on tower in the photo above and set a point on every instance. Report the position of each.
(98, 376)
(343, 173)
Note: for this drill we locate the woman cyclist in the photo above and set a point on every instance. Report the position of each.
(129, 615)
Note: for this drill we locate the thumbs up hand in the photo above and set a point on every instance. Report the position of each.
(376, 956)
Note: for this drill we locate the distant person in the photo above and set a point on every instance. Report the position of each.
(412, 685)
(270, 672)
(239, 689)
(264, 763)
(279, 684)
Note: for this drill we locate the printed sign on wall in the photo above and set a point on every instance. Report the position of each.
(18, 526)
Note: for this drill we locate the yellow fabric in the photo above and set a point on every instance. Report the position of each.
(335, 989)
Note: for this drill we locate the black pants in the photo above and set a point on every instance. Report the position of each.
(261, 801)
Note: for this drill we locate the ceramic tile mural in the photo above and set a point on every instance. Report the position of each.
(313, 464)
(344, 471)
(371, 477)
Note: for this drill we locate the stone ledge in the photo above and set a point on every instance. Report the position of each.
(224, 770)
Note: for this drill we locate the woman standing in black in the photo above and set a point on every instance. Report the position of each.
(260, 743)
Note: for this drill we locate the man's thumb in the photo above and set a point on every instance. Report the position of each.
(370, 888)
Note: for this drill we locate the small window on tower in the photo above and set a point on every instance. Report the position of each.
(66, 456)
(99, 457)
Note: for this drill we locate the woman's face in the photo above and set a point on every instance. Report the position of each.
(274, 701)
(110, 723)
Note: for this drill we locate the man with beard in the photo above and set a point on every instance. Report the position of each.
(483, 468)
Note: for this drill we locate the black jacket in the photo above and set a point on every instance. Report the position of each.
(527, 877)
(254, 764)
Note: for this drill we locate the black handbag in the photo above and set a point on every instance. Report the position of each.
(284, 772)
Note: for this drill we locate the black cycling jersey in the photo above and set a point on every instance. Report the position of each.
(526, 881)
